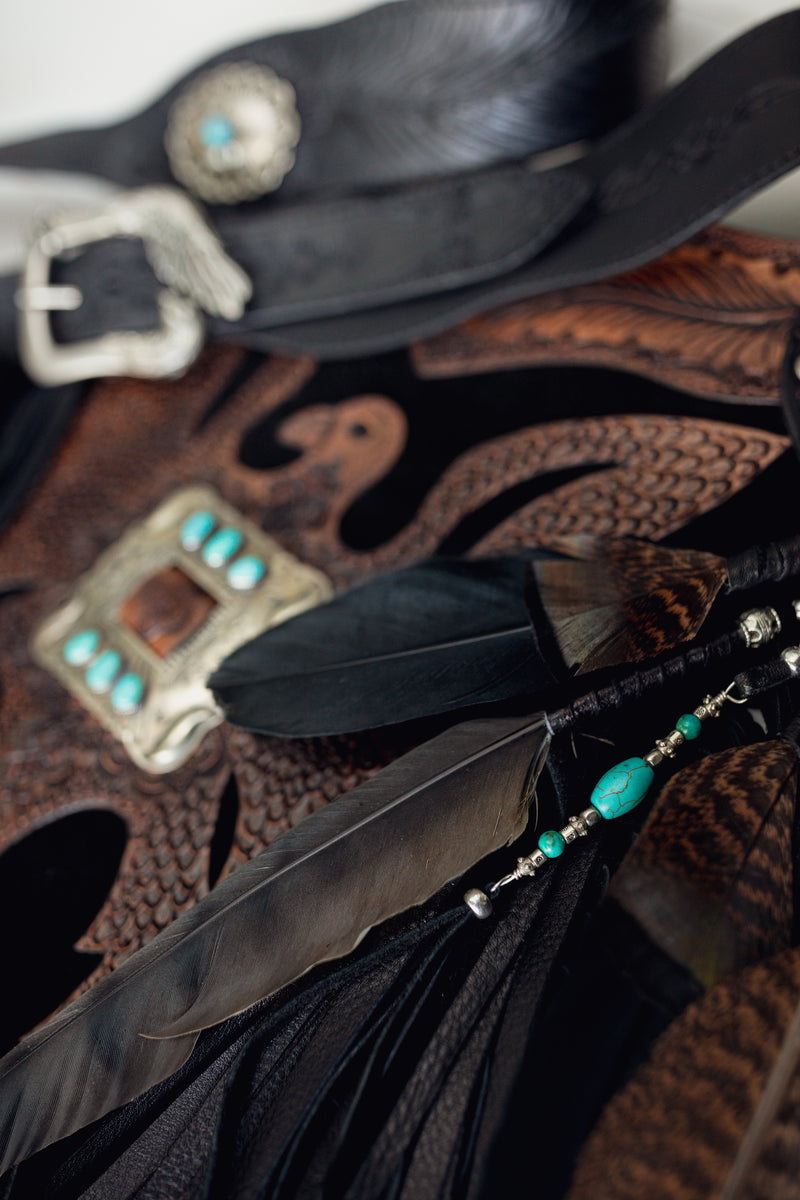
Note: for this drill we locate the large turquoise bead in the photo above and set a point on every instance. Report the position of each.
(222, 546)
(622, 788)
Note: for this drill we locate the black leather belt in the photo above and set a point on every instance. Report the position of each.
(724, 133)
(339, 276)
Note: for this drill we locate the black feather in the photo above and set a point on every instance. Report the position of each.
(348, 1080)
(390, 844)
(410, 90)
(432, 638)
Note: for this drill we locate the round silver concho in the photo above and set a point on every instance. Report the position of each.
(232, 133)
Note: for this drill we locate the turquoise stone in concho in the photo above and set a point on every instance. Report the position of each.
(216, 130)
(622, 788)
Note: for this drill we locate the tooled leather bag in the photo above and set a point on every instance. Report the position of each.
(634, 405)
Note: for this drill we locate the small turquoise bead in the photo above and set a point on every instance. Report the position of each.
(689, 725)
(622, 788)
(126, 694)
(81, 647)
(103, 671)
(216, 130)
(246, 572)
(195, 529)
(552, 843)
(222, 546)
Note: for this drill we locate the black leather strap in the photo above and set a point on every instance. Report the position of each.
(334, 256)
(342, 277)
(728, 130)
(754, 682)
(767, 563)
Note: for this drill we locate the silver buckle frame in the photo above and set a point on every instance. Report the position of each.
(185, 255)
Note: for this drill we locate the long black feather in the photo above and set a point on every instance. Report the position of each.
(349, 1075)
(409, 90)
(389, 844)
(432, 638)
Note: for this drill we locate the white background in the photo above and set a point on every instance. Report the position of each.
(66, 63)
(71, 62)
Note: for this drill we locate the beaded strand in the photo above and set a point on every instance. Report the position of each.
(616, 793)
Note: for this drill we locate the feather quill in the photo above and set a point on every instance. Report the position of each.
(432, 638)
(389, 844)
(624, 600)
(710, 877)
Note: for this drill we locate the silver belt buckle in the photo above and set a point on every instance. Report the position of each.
(159, 611)
(185, 255)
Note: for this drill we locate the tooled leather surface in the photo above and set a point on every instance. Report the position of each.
(653, 474)
(134, 443)
(711, 317)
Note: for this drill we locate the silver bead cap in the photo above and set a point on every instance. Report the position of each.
(791, 656)
(232, 133)
(759, 626)
(479, 903)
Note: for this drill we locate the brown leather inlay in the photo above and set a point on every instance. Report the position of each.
(166, 610)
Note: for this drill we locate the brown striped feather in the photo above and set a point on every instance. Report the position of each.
(710, 876)
(624, 600)
(714, 1114)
